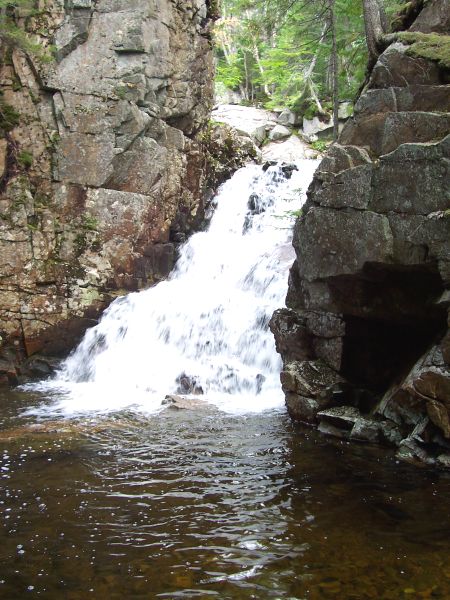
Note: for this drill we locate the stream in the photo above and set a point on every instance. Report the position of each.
(106, 492)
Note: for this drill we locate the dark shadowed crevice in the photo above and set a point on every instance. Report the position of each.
(402, 321)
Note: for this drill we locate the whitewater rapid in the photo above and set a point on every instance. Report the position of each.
(203, 331)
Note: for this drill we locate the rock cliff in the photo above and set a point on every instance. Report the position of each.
(364, 338)
(102, 160)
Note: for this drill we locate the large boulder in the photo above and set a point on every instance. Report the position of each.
(104, 165)
(246, 120)
(365, 339)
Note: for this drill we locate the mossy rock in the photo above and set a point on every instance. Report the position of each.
(431, 46)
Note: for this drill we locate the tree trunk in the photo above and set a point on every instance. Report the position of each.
(261, 69)
(334, 70)
(374, 23)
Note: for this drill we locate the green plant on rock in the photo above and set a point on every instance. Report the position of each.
(14, 35)
(320, 145)
(25, 159)
(9, 117)
(90, 223)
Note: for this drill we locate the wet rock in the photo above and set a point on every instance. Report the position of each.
(260, 379)
(188, 385)
(309, 387)
(174, 402)
(288, 169)
(292, 338)
(365, 430)
(65, 428)
(443, 460)
(368, 291)
(8, 373)
(227, 151)
(390, 432)
(333, 431)
(254, 204)
(343, 417)
(411, 451)
(39, 367)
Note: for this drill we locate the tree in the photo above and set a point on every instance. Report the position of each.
(375, 27)
(281, 51)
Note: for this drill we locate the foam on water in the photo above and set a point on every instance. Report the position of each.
(208, 323)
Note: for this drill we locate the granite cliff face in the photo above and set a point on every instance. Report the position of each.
(364, 337)
(102, 160)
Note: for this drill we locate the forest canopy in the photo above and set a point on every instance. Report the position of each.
(281, 52)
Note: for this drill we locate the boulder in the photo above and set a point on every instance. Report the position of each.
(113, 132)
(174, 402)
(315, 125)
(396, 69)
(345, 110)
(246, 120)
(309, 387)
(369, 291)
(289, 150)
(279, 132)
(434, 18)
(287, 118)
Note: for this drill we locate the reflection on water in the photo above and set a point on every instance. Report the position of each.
(200, 504)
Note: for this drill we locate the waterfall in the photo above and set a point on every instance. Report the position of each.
(203, 331)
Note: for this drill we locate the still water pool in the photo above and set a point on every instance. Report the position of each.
(203, 504)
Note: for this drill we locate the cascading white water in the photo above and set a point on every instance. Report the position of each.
(205, 328)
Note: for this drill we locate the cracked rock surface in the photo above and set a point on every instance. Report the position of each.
(106, 165)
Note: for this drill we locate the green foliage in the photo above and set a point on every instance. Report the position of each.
(25, 159)
(9, 117)
(278, 52)
(13, 35)
(230, 73)
(320, 145)
(90, 223)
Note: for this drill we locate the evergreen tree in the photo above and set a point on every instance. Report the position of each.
(299, 53)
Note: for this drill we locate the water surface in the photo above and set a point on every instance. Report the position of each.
(204, 504)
